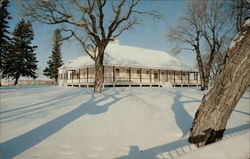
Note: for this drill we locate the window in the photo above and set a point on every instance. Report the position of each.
(147, 72)
(117, 71)
(138, 73)
(155, 75)
(195, 76)
(162, 73)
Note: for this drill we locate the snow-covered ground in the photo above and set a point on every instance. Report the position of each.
(124, 123)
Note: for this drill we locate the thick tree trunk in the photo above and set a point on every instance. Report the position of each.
(99, 72)
(16, 80)
(217, 105)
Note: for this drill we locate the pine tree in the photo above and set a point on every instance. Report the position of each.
(55, 60)
(20, 59)
(4, 33)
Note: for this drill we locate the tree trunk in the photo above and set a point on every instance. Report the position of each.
(201, 69)
(206, 81)
(16, 80)
(56, 79)
(217, 105)
(99, 72)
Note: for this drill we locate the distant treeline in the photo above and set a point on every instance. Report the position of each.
(29, 82)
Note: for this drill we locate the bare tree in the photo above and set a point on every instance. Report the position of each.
(240, 9)
(216, 66)
(217, 105)
(99, 20)
(203, 25)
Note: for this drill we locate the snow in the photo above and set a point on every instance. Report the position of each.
(247, 22)
(123, 55)
(230, 148)
(67, 122)
(236, 40)
(239, 36)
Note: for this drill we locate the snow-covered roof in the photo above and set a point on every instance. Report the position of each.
(129, 56)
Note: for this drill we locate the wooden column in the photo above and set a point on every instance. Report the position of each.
(79, 76)
(66, 76)
(181, 77)
(72, 76)
(150, 78)
(87, 74)
(140, 75)
(188, 78)
(174, 76)
(197, 77)
(159, 72)
(103, 73)
(113, 73)
(166, 75)
(129, 74)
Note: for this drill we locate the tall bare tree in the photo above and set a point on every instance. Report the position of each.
(240, 9)
(203, 26)
(217, 105)
(99, 20)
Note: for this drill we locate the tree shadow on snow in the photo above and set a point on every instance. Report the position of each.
(19, 144)
(22, 111)
(182, 117)
(181, 146)
(173, 149)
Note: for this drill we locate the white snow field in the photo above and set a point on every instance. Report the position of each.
(51, 122)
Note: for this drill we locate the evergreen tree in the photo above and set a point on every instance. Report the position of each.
(20, 60)
(4, 16)
(4, 33)
(55, 60)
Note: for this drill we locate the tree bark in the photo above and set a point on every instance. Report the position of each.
(99, 72)
(217, 105)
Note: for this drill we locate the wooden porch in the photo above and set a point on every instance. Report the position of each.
(116, 76)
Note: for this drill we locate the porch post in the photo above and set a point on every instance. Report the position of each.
(181, 77)
(87, 74)
(66, 77)
(150, 75)
(188, 78)
(72, 76)
(113, 73)
(197, 77)
(174, 76)
(140, 75)
(103, 73)
(129, 74)
(159, 72)
(79, 76)
(166, 75)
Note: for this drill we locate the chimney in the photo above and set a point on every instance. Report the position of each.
(114, 41)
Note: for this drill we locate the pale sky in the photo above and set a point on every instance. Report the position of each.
(151, 34)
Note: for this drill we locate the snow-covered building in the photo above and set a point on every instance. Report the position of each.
(126, 66)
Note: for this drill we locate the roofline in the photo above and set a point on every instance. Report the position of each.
(135, 66)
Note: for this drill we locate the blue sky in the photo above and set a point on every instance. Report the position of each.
(151, 34)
